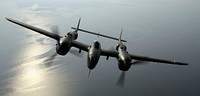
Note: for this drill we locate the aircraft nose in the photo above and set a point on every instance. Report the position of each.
(126, 61)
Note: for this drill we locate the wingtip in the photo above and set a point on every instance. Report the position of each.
(7, 18)
(181, 63)
(186, 63)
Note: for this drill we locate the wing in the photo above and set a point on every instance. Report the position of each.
(109, 53)
(80, 45)
(143, 58)
(41, 31)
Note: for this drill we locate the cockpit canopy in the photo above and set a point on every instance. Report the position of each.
(123, 47)
(96, 44)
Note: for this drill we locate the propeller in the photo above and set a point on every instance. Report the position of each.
(89, 73)
(50, 58)
(55, 29)
(48, 61)
(46, 58)
(121, 79)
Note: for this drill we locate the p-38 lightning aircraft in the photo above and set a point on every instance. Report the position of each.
(94, 51)
(65, 43)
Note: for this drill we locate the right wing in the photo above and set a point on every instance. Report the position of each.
(143, 58)
(113, 53)
(41, 31)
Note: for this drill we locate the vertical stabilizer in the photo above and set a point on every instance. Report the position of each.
(78, 25)
(120, 42)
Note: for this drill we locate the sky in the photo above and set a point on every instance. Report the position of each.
(155, 28)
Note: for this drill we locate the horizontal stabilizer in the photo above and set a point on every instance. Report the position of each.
(98, 34)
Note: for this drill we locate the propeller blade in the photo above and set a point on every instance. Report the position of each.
(89, 73)
(121, 79)
(46, 59)
(55, 29)
(51, 58)
(47, 63)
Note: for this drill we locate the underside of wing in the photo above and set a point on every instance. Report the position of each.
(41, 31)
(80, 45)
(109, 53)
(143, 58)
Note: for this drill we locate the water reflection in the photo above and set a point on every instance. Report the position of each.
(34, 59)
(31, 71)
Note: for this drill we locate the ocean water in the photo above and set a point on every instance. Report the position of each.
(155, 28)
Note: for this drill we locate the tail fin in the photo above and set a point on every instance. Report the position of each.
(76, 30)
(120, 36)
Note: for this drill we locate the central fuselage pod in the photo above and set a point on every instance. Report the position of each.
(64, 44)
(93, 55)
(124, 59)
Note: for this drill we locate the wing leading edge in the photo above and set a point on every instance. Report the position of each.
(80, 45)
(41, 31)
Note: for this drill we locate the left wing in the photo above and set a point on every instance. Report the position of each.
(80, 45)
(143, 58)
(109, 53)
(38, 30)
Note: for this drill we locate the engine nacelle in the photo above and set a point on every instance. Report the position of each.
(122, 66)
(75, 36)
(63, 46)
(117, 46)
